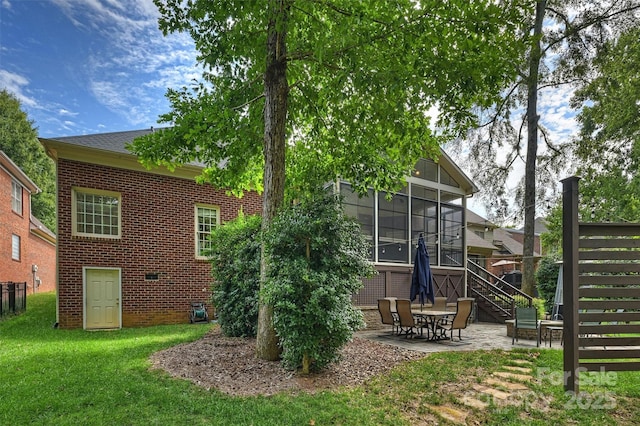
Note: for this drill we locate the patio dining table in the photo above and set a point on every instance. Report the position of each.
(432, 318)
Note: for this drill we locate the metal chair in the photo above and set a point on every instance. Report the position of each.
(387, 316)
(460, 320)
(408, 324)
(526, 319)
(439, 304)
(394, 310)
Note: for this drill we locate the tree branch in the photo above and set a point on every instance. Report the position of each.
(586, 23)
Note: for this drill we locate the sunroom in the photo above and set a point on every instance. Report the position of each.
(432, 203)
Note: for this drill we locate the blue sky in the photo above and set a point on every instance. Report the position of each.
(95, 66)
(90, 66)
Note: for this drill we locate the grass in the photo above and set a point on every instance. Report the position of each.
(65, 377)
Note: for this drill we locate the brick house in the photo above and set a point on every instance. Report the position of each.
(131, 240)
(499, 250)
(136, 263)
(27, 247)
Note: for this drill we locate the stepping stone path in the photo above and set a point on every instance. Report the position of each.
(502, 388)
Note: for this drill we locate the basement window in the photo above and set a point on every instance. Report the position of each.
(151, 277)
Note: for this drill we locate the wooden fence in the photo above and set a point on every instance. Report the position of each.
(601, 271)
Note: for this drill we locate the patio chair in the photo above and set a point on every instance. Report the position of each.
(439, 304)
(526, 319)
(394, 310)
(408, 324)
(387, 316)
(460, 320)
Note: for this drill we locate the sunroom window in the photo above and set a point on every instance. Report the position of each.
(431, 205)
(361, 208)
(452, 230)
(393, 228)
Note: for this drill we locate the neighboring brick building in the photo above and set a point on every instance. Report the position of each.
(27, 247)
(130, 239)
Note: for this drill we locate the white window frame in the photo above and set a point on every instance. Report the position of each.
(74, 212)
(15, 247)
(16, 197)
(198, 232)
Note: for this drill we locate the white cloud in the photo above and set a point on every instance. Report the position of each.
(64, 112)
(131, 67)
(108, 94)
(16, 84)
(6, 4)
(556, 114)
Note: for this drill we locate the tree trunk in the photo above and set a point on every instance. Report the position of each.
(528, 272)
(276, 90)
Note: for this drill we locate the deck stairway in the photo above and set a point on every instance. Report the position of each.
(495, 298)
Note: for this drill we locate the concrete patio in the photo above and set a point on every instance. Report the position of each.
(476, 336)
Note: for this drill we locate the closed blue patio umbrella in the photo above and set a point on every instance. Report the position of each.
(422, 279)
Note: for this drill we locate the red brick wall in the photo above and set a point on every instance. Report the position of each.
(157, 237)
(9, 222)
(33, 250)
(43, 254)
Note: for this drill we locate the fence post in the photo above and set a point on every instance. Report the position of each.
(570, 237)
(12, 296)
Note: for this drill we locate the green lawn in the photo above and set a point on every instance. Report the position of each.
(65, 377)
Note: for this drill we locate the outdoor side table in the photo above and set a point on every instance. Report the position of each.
(549, 331)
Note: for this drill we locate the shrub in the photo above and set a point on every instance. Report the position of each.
(547, 280)
(235, 266)
(317, 257)
(535, 302)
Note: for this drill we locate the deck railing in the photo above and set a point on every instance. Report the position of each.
(494, 291)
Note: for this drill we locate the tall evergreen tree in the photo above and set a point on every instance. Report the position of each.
(19, 140)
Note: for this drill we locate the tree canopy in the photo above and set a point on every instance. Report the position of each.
(362, 75)
(607, 148)
(295, 93)
(561, 37)
(19, 140)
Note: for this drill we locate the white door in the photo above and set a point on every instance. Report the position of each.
(102, 298)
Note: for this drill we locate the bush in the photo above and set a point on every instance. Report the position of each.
(522, 302)
(539, 305)
(235, 266)
(317, 257)
(547, 280)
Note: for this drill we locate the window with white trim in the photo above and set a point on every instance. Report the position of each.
(15, 247)
(207, 218)
(16, 197)
(96, 213)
